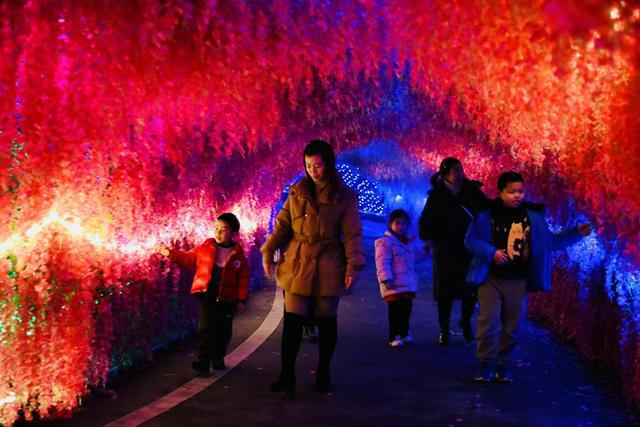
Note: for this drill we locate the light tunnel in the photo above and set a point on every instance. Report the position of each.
(125, 125)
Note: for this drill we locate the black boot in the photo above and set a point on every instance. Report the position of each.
(468, 306)
(444, 315)
(201, 365)
(291, 337)
(327, 338)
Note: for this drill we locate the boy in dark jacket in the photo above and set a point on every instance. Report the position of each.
(511, 247)
(221, 283)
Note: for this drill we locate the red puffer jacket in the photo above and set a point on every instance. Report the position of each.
(234, 283)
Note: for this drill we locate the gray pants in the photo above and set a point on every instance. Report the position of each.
(501, 302)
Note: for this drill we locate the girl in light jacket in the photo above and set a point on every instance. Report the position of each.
(396, 256)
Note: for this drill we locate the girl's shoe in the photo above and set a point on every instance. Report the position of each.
(396, 342)
(408, 339)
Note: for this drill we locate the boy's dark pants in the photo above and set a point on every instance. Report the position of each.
(214, 327)
(501, 303)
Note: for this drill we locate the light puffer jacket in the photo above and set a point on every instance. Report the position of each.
(396, 261)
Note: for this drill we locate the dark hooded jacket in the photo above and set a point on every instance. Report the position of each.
(444, 221)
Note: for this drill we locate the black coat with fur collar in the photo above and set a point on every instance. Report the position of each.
(444, 221)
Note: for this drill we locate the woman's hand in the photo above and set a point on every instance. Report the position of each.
(162, 250)
(584, 229)
(350, 281)
(500, 257)
(269, 269)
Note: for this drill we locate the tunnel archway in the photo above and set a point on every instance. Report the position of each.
(129, 125)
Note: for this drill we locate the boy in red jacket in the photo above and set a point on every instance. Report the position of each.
(221, 282)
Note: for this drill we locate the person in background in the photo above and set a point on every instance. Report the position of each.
(221, 284)
(451, 205)
(511, 244)
(319, 233)
(396, 256)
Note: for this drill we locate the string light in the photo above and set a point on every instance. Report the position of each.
(370, 198)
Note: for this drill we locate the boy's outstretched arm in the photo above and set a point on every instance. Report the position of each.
(186, 259)
(569, 236)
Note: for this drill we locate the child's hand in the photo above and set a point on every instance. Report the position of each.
(269, 269)
(240, 307)
(584, 229)
(500, 257)
(162, 250)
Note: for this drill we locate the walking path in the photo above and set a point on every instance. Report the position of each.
(373, 385)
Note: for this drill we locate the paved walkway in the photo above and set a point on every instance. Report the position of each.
(373, 385)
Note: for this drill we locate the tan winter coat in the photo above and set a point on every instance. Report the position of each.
(321, 243)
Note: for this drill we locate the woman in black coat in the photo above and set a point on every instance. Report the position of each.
(451, 205)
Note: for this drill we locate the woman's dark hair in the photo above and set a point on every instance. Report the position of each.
(231, 220)
(445, 168)
(318, 147)
(398, 213)
(507, 177)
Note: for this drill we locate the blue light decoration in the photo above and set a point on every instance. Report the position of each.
(371, 201)
(593, 257)
(401, 177)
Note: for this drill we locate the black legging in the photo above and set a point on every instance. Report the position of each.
(399, 314)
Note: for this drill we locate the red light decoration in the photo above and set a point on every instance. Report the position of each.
(131, 124)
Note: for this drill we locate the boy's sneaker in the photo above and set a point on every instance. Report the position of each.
(484, 373)
(504, 374)
(201, 365)
(218, 365)
(396, 342)
(408, 339)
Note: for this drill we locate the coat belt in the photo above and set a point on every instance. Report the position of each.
(313, 240)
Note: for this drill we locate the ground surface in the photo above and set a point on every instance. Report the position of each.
(373, 385)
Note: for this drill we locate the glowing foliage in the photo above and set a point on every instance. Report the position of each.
(127, 124)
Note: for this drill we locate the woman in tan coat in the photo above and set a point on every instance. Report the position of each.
(319, 234)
